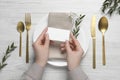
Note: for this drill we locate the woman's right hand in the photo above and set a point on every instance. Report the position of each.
(74, 52)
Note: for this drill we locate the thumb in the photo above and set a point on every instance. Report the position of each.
(47, 41)
(67, 46)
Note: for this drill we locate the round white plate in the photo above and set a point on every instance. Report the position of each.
(83, 38)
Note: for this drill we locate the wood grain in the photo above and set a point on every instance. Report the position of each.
(12, 11)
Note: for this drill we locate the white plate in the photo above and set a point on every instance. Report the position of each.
(83, 38)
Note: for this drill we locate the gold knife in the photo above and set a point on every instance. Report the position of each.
(93, 34)
(28, 26)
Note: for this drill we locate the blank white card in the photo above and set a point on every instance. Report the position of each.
(56, 34)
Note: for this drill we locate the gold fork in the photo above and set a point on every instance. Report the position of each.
(28, 26)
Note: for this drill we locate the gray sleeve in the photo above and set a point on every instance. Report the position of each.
(35, 72)
(77, 74)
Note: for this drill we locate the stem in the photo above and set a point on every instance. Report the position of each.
(103, 50)
(27, 48)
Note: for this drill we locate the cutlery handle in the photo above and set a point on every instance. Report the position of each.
(103, 50)
(94, 53)
(27, 48)
(20, 45)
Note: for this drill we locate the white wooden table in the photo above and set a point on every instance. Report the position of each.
(12, 11)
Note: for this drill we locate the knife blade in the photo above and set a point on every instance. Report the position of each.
(93, 35)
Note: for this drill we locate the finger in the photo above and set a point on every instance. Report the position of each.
(75, 41)
(72, 47)
(63, 49)
(51, 42)
(44, 31)
(71, 41)
(47, 41)
(42, 35)
(62, 45)
(67, 46)
(72, 37)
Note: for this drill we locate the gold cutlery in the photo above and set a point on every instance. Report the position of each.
(28, 26)
(93, 34)
(103, 26)
(20, 29)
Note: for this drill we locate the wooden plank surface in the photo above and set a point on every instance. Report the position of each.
(12, 11)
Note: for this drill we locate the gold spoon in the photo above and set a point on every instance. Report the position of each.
(20, 29)
(103, 26)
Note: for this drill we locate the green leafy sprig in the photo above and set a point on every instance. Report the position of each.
(7, 55)
(111, 6)
(76, 29)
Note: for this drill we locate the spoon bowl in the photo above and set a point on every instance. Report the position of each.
(20, 29)
(103, 26)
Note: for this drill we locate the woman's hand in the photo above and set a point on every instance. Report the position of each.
(41, 48)
(74, 52)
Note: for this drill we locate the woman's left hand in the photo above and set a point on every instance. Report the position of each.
(41, 48)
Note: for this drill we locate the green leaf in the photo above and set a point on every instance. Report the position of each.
(7, 51)
(77, 31)
(110, 11)
(79, 22)
(103, 9)
(12, 45)
(7, 56)
(118, 1)
(75, 23)
(73, 32)
(76, 35)
(3, 66)
(82, 17)
(3, 59)
(0, 64)
(118, 10)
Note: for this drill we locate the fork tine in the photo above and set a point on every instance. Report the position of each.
(27, 18)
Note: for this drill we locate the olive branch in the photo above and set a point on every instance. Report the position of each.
(7, 55)
(111, 6)
(77, 22)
